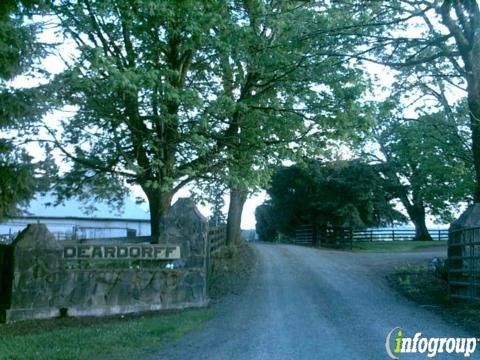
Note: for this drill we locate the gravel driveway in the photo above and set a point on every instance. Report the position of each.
(305, 303)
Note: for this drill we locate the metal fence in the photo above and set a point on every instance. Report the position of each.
(217, 237)
(85, 234)
(344, 237)
(90, 233)
(7, 238)
(464, 264)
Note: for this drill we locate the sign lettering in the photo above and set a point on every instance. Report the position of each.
(140, 252)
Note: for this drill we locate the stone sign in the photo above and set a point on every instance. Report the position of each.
(41, 284)
(140, 252)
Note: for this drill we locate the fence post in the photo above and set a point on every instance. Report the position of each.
(393, 235)
(438, 235)
(371, 235)
(351, 238)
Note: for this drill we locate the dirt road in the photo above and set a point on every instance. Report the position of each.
(304, 303)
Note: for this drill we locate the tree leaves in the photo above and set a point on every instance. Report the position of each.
(339, 193)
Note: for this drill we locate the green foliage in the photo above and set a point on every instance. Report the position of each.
(342, 193)
(266, 222)
(290, 97)
(18, 46)
(283, 95)
(20, 175)
(437, 61)
(169, 92)
(140, 83)
(427, 161)
(17, 180)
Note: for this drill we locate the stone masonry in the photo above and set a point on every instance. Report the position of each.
(45, 284)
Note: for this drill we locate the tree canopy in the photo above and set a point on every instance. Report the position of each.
(426, 163)
(340, 194)
(170, 92)
(221, 93)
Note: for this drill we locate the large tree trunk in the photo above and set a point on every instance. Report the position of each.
(238, 196)
(474, 107)
(417, 215)
(465, 33)
(158, 202)
(416, 212)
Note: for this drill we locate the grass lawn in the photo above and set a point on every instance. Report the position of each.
(119, 337)
(392, 246)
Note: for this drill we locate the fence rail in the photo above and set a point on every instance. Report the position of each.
(345, 237)
(464, 264)
(395, 235)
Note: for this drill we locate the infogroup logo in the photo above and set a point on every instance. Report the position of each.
(397, 343)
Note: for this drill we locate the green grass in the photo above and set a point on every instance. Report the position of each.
(114, 338)
(396, 246)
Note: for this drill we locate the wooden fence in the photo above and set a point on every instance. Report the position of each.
(343, 237)
(217, 237)
(463, 264)
(395, 234)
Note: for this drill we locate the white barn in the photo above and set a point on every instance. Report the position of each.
(69, 220)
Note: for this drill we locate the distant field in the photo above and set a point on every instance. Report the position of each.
(396, 246)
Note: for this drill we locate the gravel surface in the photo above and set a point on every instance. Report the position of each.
(304, 303)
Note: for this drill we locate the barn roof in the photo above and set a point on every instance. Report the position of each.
(75, 209)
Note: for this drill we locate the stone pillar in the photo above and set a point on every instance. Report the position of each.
(37, 275)
(470, 218)
(183, 225)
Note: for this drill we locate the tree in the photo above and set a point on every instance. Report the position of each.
(20, 176)
(283, 98)
(265, 226)
(445, 47)
(340, 193)
(421, 160)
(143, 85)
